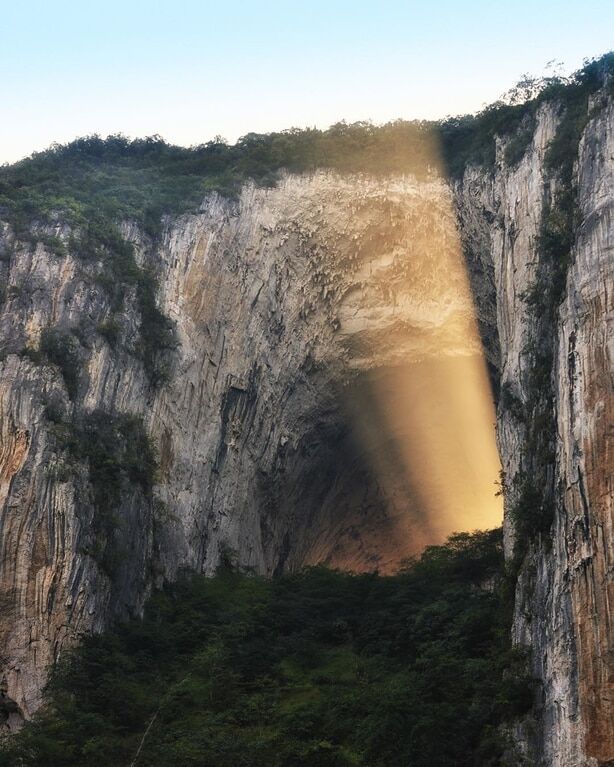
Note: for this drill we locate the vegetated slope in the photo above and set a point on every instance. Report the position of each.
(318, 668)
(92, 180)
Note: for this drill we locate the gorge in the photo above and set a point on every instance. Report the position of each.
(233, 377)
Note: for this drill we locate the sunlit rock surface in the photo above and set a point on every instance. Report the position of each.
(318, 322)
(328, 402)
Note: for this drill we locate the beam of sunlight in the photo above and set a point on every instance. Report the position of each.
(421, 403)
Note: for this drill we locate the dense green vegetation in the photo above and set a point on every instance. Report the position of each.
(119, 457)
(320, 668)
(59, 349)
(471, 139)
(143, 179)
(116, 179)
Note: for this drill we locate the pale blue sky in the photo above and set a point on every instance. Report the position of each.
(189, 70)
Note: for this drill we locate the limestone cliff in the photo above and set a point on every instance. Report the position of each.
(286, 303)
(564, 592)
(296, 307)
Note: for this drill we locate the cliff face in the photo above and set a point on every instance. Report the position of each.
(564, 592)
(298, 312)
(306, 317)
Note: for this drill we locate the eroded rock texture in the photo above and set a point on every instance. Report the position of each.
(564, 593)
(296, 308)
(585, 399)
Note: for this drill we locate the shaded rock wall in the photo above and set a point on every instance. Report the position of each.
(564, 592)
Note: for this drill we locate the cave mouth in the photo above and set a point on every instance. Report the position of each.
(414, 460)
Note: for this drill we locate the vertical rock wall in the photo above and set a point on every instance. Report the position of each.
(286, 302)
(564, 593)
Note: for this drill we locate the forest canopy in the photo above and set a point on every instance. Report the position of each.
(143, 179)
(319, 668)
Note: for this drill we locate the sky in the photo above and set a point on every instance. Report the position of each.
(190, 70)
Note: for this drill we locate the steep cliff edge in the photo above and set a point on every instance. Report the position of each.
(291, 306)
(294, 308)
(554, 429)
